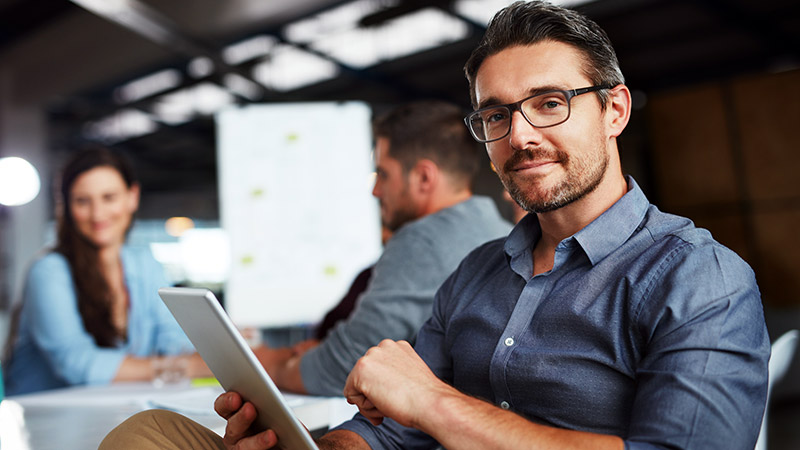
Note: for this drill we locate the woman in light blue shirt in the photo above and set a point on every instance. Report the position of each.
(90, 310)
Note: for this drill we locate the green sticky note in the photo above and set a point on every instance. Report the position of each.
(203, 382)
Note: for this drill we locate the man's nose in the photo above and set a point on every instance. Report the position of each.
(375, 191)
(522, 133)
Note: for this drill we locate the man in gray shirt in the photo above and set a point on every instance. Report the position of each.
(426, 162)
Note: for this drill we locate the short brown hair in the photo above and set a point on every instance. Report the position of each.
(434, 130)
(526, 23)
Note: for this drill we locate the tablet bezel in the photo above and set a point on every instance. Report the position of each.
(233, 363)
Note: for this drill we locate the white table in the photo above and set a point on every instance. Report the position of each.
(79, 417)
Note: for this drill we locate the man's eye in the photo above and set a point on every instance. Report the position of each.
(552, 104)
(495, 116)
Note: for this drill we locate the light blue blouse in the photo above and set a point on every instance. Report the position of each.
(52, 347)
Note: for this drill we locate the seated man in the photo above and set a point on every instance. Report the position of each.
(426, 164)
(600, 322)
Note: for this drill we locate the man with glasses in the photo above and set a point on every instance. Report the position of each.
(599, 322)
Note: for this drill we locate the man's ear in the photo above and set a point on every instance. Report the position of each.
(618, 109)
(425, 176)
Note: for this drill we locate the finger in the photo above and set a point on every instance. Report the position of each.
(227, 404)
(239, 424)
(261, 441)
(355, 399)
(373, 415)
(366, 404)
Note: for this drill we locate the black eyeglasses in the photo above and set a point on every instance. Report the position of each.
(546, 109)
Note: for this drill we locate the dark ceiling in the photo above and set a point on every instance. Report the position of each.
(661, 44)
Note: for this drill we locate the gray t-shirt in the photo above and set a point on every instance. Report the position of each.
(399, 297)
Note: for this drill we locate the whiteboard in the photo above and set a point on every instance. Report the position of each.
(295, 183)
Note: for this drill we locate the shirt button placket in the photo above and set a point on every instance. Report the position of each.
(508, 342)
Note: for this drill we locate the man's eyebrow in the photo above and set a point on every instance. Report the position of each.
(494, 101)
(491, 101)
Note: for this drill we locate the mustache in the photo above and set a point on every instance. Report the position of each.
(527, 155)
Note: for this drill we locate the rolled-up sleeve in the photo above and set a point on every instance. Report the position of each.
(431, 347)
(702, 383)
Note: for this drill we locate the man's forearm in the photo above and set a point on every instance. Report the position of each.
(287, 375)
(283, 366)
(458, 421)
(342, 439)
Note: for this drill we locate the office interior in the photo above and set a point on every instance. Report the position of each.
(713, 134)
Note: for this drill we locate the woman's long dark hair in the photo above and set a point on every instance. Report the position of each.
(92, 288)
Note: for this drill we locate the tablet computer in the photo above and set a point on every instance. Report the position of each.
(236, 367)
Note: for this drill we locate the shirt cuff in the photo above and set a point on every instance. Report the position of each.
(105, 366)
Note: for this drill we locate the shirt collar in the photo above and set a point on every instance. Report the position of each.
(609, 231)
(598, 239)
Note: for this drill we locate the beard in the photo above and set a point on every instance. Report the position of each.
(581, 178)
(399, 218)
(402, 212)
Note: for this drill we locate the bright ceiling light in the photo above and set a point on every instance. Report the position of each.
(405, 35)
(148, 85)
(481, 11)
(176, 226)
(336, 20)
(248, 49)
(200, 67)
(121, 125)
(290, 68)
(19, 181)
(183, 105)
(242, 86)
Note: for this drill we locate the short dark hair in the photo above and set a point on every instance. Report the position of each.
(434, 130)
(526, 23)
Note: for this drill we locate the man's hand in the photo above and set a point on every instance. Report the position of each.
(272, 358)
(283, 366)
(391, 380)
(240, 416)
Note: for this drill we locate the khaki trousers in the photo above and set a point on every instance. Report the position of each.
(161, 429)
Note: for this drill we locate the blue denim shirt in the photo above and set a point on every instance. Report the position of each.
(646, 328)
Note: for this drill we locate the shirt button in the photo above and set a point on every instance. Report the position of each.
(505, 405)
(509, 342)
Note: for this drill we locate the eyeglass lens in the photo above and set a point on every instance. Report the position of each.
(543, 110)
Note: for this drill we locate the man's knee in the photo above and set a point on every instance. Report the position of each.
(159, 429)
